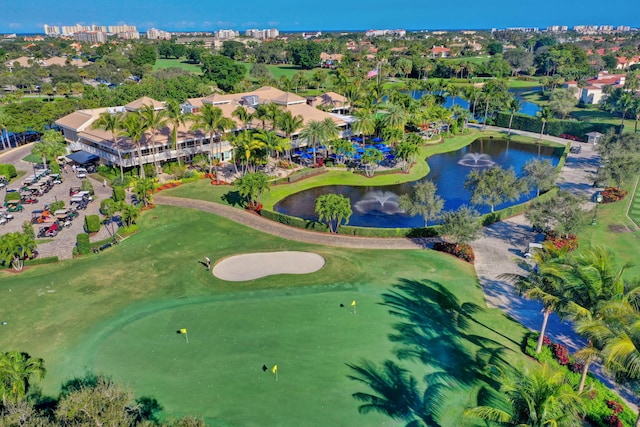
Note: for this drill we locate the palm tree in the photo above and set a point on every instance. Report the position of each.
(211, 121)
(153, 120)
(175, 117)
(395, 117)
(133, 127)
(314, 131)
(16, 370)
(17, 247)
(545, 115)
(290, 124)
(112, 123)
(365, 123)
(543, 281)
(247, 149)
(513, 106)
(472, 93)
(407, 150)
(242, 114)
(271, 140)
(273, 112)
(334, 208)
(539, 398)
(262, 113)
(452, 90)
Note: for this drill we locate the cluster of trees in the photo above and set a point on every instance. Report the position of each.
(619, 159)
(91, 400)
(17, 247)
(590, 290)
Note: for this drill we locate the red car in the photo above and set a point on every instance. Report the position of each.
(52, 231)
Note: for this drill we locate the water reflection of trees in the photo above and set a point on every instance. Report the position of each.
(434, 329)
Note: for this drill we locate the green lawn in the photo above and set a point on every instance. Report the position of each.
(117, 313)
(280, 70)
(177, 63)
(617, 232)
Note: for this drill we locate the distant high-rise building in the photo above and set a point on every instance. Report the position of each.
(70, 30)
(262, 34)
(226, 34)
(557, 29)
(623, 28)
(99, 28)
(116, 29)
(51, 30)
(128, 35)
(585, 29)
(91, 36)
(155, 34)
(378, 33)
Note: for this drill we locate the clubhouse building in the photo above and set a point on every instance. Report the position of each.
(79, 132)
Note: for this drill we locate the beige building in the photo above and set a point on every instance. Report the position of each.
(78, 128)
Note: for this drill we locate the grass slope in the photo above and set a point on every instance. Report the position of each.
(117, 313)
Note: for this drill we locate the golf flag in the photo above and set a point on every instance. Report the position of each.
(183, 331)
(372, 73)
(275, 369)
(353, 303)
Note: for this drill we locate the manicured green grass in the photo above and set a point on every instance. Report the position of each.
(616, 232)
(634, 208)
(177, 63)
(117, 313)
(287, 70)
(32, 158)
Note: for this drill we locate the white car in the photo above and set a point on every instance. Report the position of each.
(81, 172)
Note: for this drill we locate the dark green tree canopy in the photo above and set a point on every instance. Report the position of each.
(225, 72)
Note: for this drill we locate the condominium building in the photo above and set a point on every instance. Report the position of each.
(128, 35)
(155, 34)
(379, 33)
(226, 34)
(262, 34)
(115, 29)
(52, 30)
(557, 29)
(70, 30)
(91, 36)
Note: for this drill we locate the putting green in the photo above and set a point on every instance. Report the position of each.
(219, 373)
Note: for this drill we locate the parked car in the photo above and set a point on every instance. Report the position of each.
(81, 172)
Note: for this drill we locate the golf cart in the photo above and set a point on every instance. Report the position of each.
(532, 248)
(14, 206)
(3, 181)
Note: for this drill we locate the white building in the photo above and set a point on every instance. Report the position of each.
(262, 34)
(51, 30)
(226, 34)
(116, 29)
(155, 34)
(70, 30)
(91, 36)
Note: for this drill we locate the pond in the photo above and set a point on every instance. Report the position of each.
(378, 207)
(526, 107)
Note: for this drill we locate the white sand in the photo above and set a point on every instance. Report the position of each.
(243, 267)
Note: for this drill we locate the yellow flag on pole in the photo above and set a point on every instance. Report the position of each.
(353, 303)
(274, 369)
(183, 330)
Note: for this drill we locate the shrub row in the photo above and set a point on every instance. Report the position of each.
(42, 261)
(602, 403)
(491, 218)
(553, 127)
(380, 173)
(348, 229)
(301, 174)
(83, 244)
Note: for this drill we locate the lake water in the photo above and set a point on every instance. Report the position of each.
(378, 206)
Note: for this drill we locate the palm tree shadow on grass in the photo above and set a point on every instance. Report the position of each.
(396, 393)
(233, 198)
(434, 330)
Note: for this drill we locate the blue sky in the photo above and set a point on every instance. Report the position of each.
(172, 15)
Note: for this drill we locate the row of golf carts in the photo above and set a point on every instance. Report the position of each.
(53, 222)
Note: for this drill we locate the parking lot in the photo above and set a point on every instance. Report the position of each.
(63, 243)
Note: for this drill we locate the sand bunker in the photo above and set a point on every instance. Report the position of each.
(243, 267)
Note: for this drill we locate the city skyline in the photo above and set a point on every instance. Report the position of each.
(357, 15)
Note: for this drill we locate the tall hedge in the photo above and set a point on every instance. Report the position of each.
(8, 170)
(118, 193)
(83, 244)
(554, 127)
(92, 223)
